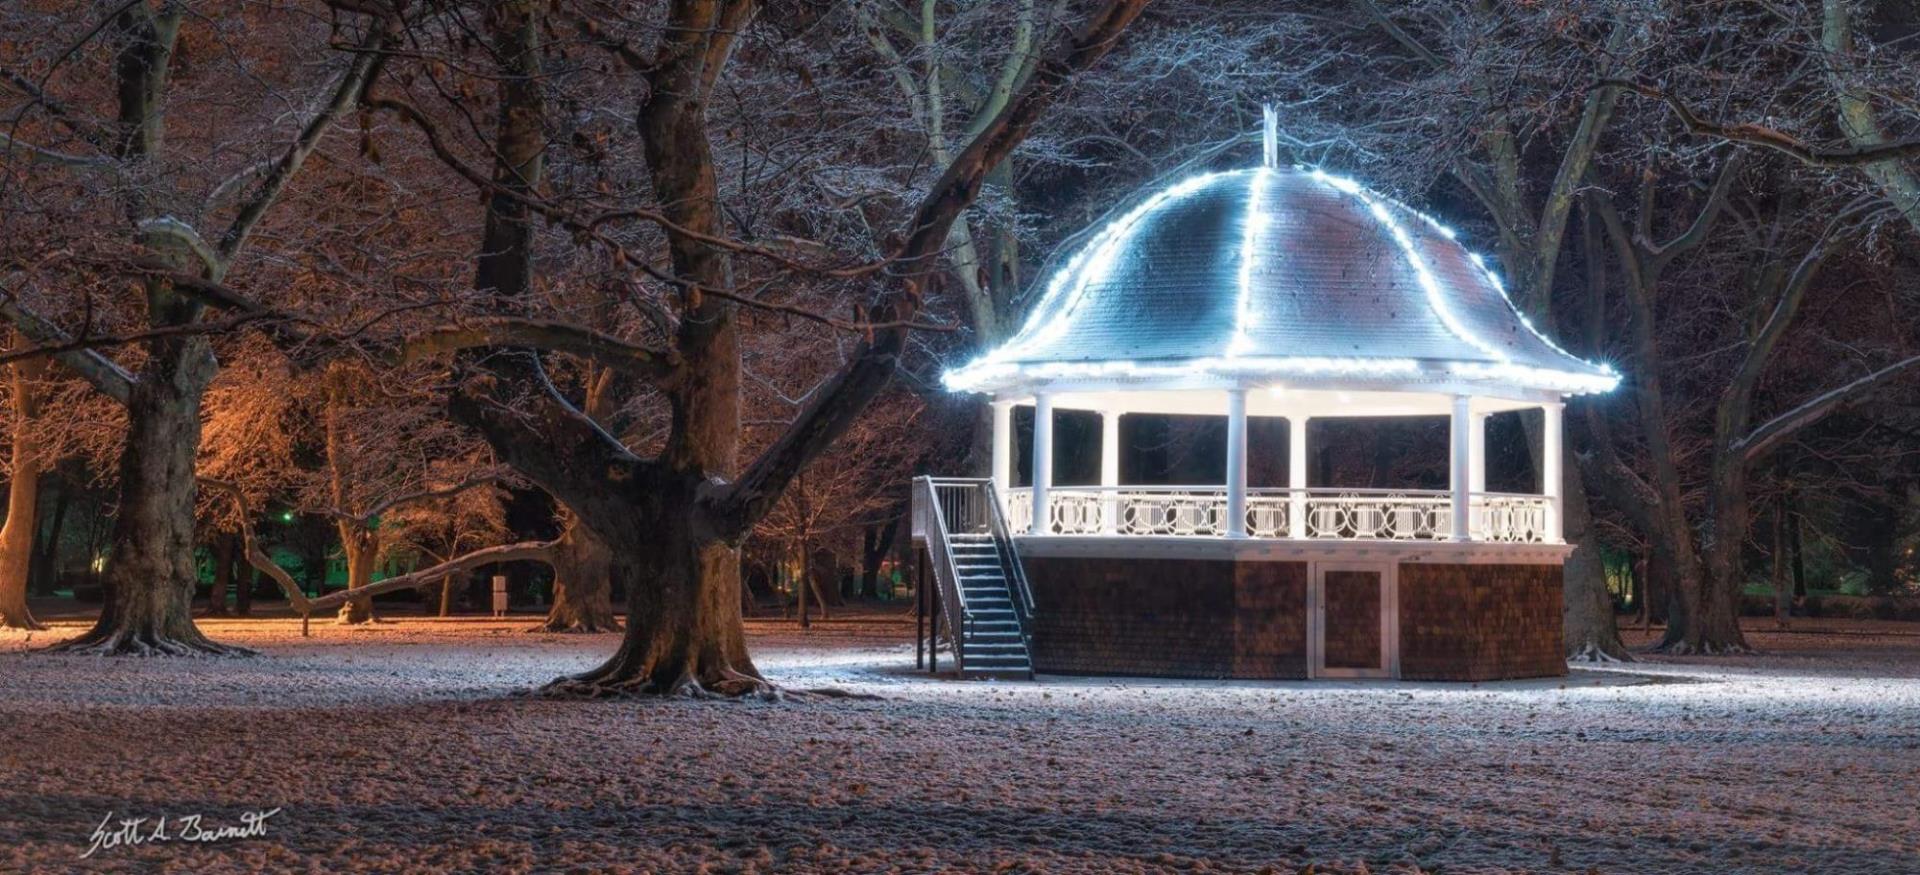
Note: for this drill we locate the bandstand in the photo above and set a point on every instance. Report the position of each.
(1278, 292)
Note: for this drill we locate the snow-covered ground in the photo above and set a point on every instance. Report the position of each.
(407, 747)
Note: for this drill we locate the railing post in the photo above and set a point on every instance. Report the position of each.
(1550, 473)
(1460, 477)
(1110, 470)
(1297, 477)
(920, 607)
(1042, 462)
(1002, 446)
(1237, 463)
(933, 614)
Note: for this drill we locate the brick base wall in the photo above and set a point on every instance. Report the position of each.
(1480, 622)
(1169, 617)
(1248, 619)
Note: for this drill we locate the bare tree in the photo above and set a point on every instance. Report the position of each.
(151, 579)
(673, 520)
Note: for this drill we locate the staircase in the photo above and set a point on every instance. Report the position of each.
(993, 640)
(985, 603)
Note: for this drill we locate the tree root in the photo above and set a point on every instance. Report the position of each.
(1595, 654)
(1684, 648)
(733, 686)
(147, 643)
(575, 627)
(24, 624)
(621, 682)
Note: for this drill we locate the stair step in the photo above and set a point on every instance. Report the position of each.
(989, 664)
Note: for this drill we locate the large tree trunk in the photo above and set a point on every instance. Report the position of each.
(1716, 628)
(1782, 593)
(876, 543)
(43, 577)
(684, 629)
(1704, 617)
(362, 549)
(1793, 544)
(223, 571)
(684, 632)
(150, 576)
(582, 585)
(245, 579)
(673, 522)
(582, 566)
(1591, 631)
(23, 499)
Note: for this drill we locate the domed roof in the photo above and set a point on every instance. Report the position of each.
(1269, 275)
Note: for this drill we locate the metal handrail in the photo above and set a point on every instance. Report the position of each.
(946, 572)
(980, 498)
(1003, 539)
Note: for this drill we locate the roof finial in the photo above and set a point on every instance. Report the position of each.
(1269, 136)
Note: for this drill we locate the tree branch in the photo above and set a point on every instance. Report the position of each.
(44, 155)
(1754, 134)
(537, 551)
(251, 547)
(604, 350)
(846, 395)
(346, 93)
(415, 497)
(1767, 436)
(105, 375)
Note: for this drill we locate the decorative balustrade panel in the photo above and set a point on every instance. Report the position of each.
(1375, 515)
(1269, 514)
(1328, 514)
(1175, 512)
(1513, 519)
(1076, 512)
(1020, 510)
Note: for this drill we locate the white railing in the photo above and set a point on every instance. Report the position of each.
(1328, 514)
(1375, 514)
(1511, 518)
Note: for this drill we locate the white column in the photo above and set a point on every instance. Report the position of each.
(1042, 462)
(1477, 452)
(1236, 463)
(1110, 469)
(1550, 458)
(1297, 476)
(1002, 448)
(1460, 476)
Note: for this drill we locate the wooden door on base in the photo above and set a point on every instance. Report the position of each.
(1352, 609)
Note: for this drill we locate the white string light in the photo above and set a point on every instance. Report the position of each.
(1255, 222)
(1436, 300)
(1052, 314)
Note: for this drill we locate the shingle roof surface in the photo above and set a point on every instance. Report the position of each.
(1323, 274)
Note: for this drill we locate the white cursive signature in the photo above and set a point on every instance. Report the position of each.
(132, 831)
